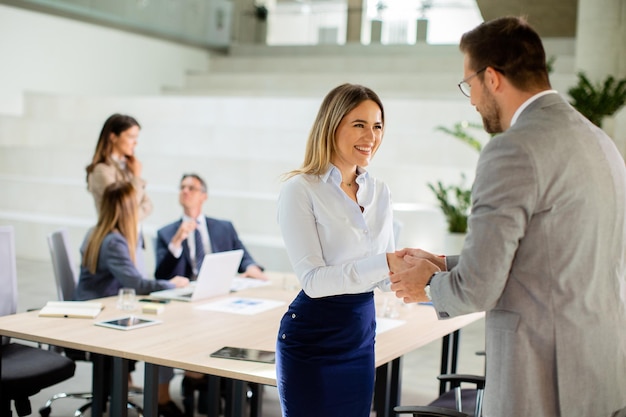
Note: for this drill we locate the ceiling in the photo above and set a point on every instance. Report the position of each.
(551, 18)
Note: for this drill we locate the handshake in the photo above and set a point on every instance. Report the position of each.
(410, 270)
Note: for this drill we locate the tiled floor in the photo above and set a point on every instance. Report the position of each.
(419, 371)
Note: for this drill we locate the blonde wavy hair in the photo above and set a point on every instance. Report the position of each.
(321, 144)
(118, 212)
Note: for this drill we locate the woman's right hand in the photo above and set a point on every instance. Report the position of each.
(134, 165)
(180, 281)
(396, 263)
(410, 255)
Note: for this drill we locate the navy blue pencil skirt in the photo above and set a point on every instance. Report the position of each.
(325, 356)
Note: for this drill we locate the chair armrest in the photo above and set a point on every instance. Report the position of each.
(455, 380)
(428, 411)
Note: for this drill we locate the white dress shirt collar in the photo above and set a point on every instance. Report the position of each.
(199, 219)
(334, 174)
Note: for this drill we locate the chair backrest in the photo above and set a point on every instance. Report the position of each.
(63, 264)
(8, 271)
(8, 274)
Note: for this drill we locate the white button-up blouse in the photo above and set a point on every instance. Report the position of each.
(333, 247)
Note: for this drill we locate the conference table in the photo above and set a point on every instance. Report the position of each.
(189, 332)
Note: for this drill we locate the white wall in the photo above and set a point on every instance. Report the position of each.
(49, 54)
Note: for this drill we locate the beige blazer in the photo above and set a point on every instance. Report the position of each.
(545, 257)
(106, 174)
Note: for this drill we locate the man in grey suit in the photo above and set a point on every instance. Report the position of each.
(545, 255)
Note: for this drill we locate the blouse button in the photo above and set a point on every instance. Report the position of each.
(284, 336)
(293, 316)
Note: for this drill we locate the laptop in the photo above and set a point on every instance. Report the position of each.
(214, 278)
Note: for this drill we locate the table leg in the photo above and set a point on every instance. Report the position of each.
(5, 406)
(213, 395)
(235, 398)
(150, 390)
(387, 387)
(119, 388)
(449, 357)
(256, 404)
(98, 385)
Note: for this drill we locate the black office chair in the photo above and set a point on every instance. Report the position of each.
(456, 402)
(454, 397)
(24, 370)
(66, 278)
(27, 370)
(462, 399)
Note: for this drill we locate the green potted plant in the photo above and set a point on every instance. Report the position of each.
(598, 101)
(455, 200)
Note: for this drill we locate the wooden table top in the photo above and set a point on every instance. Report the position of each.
(189, 334)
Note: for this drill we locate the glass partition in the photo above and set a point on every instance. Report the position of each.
(217, 23)
(205, 23)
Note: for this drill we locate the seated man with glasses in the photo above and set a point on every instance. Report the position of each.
(180, 248)
(177, 251)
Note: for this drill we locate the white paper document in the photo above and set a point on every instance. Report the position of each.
(383, 324)
(247, 306)
(243, 283)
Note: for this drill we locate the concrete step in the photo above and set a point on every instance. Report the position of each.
(410, 62)
(409, 86)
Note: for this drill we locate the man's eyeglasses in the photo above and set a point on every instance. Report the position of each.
(464, 85)
(191, 188)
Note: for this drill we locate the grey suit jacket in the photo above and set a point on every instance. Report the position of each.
(545, 257)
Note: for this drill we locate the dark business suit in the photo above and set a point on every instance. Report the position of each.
(223, 238)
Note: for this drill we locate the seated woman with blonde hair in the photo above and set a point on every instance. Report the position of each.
(108, 262)
(108, 252)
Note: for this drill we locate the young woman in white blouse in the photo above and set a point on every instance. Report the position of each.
(337, 224)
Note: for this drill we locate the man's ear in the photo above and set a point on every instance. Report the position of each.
(493, 79)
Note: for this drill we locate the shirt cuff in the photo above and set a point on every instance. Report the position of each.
(374, 268)
(176, 252)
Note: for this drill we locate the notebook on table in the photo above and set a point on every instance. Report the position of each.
(214, 278)
(71, 309)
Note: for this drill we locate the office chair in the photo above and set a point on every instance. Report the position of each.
(66, 278)
(24, 370)
(456, 400)
(462, 399)
(453, 397)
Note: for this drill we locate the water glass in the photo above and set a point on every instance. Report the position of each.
(126, 299)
